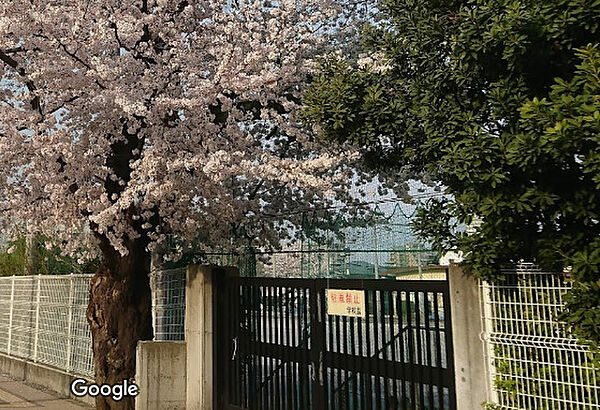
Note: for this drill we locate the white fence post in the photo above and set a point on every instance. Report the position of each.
(37, 319)
(488, 328)
(69, 322)
(154, 299)
(10, 314)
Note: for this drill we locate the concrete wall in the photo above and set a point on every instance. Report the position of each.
(37, 374)
(161, 375)
(469, 357)
(200, 327)
(199, 336)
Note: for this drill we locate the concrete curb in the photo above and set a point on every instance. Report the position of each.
(55, 380)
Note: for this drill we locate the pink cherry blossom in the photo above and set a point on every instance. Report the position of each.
(183, 114)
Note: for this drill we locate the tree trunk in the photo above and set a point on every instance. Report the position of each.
(119, 314)
(31, 255)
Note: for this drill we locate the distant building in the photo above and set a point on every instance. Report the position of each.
(402, 258)
(428, 272)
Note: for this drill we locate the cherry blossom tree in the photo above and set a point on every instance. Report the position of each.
(125, 122)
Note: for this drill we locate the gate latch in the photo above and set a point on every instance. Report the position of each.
(316, 371)
(235, 347)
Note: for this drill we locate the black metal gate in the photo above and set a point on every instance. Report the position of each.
(277, 348)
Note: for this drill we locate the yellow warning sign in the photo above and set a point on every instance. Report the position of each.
(345, 302)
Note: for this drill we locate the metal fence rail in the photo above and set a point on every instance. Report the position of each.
(534, 362)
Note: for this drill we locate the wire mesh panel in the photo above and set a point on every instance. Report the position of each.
(23, 317)
(168, 304)
(6, 287)
(42, 319)
(348, 242)
(535, 362)
(52, 324)
(81, 356)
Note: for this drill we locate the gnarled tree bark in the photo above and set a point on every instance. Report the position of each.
(119, 314)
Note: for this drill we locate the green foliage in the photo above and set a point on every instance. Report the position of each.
(54, 262)
(490, 406)
(13, 262)
(500, 101)
(13, 258)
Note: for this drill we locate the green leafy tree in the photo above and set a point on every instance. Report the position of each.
(499, 101)
(13, 258)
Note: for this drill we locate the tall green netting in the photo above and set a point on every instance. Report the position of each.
(366, 243)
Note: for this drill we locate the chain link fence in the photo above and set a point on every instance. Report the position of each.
(534, 362)
(352, 242)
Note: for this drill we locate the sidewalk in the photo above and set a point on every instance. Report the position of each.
(18, 395)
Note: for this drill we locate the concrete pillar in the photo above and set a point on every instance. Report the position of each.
(469, 357)
(160, 374)
(199, 333)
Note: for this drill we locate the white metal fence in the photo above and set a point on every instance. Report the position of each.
(534, 363)
(168, 303)
(42, 318)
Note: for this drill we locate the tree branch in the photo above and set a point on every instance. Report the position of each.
(70, 100)
(79, 60)
(11, 62)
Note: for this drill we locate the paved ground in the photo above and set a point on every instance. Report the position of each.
(18, 395)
